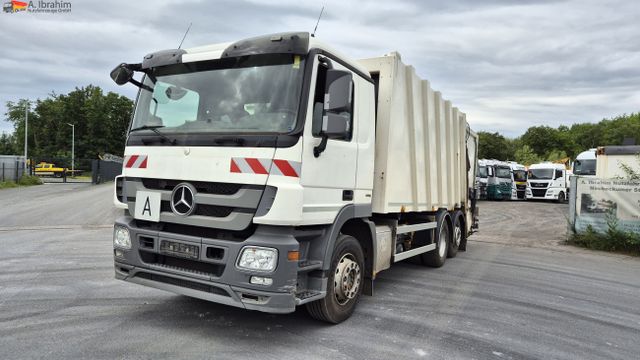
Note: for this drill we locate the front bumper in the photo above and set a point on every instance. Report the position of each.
(213, 276)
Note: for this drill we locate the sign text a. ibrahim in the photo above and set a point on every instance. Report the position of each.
(41, 6)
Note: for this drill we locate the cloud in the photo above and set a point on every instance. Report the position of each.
(507, 64)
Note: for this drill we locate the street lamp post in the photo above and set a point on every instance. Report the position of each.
(73, 148)
(26, 125)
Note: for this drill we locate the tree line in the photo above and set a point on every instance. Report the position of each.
(100, 121)
(540, 143)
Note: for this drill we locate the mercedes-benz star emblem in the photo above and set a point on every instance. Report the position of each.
(183, 199)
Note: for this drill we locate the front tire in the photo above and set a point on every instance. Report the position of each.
(345, 283)
(561, 197)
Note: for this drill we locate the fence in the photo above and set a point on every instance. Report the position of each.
(11, 167)
(596, 202)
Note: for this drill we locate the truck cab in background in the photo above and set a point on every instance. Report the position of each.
(498, 179)
(547, 181)
(585, 163)
(518, 181)
(481, 179)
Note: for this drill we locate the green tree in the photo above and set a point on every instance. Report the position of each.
(7, 146)
(495, 146)
(100, 124)
(525, 155)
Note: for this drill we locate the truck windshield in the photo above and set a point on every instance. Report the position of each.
(482, 171)
(250, 94)
(519, 175)
(584, 167)
(543, 174)
(503, 172)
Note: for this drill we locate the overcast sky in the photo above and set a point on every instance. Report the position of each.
(507, 64)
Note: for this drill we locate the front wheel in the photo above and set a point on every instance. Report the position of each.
(561, 197)
(345, 283)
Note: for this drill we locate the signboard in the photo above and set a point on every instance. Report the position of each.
(599, 199)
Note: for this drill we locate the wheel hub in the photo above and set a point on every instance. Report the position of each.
(346, 281)
(442, 243)
(457, 235)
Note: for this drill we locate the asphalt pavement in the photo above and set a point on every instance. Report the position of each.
(517, 293)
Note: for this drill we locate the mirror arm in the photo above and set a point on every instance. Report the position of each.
(141, 85)
(321, 147)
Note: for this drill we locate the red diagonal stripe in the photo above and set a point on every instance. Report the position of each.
(234, 167)
(132, 160)
(144, 163)
(285, 168)
(256, 166)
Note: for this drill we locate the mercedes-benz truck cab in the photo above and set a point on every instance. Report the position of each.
(498, 179)
(481, 179)
(518, 181)
(585, 163)
(547, 181)
(275, 172)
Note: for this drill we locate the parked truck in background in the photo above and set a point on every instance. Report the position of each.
(481, 179)
(548, 181)
(613, 160)
(275, 172)
(498, 179)
(518, 181)
(585, 163)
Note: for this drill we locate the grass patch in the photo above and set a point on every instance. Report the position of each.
(613, 239)
(24, 181)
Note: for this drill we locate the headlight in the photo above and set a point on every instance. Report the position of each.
(257, 258)
(121, 237)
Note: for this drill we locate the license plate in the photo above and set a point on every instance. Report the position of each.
(147, 206)
(179, 249)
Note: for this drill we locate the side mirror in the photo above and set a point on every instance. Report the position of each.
(336, 126)
(337, 96)
(122, 74)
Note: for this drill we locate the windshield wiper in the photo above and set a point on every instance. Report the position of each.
(155, 128)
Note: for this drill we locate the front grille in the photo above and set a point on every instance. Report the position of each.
(199, 231)
(204, 210)
(182, 283)
(539, 192)
(201, 186)
(182, 264)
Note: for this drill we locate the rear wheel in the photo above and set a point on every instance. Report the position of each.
(436, 258)
(457, 235)
(345, 282)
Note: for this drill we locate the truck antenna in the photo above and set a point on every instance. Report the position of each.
(318, 22)
(185, 35)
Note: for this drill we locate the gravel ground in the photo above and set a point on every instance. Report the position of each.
(517, 293)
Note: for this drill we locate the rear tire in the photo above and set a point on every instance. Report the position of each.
(457, 235)
(437, 257)
(345, 283)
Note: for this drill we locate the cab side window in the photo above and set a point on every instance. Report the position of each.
(558, 174)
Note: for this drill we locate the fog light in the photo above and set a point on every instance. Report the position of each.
(259, 280)
(119, 253)
(121, 237)
(258, 258)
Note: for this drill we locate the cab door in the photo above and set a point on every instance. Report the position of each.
(329, 171)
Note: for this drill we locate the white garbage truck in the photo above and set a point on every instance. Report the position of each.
(274, 172)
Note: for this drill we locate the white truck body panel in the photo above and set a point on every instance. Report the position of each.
(611, 158)
(421, 143)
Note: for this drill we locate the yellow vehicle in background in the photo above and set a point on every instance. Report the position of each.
(49, 169)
